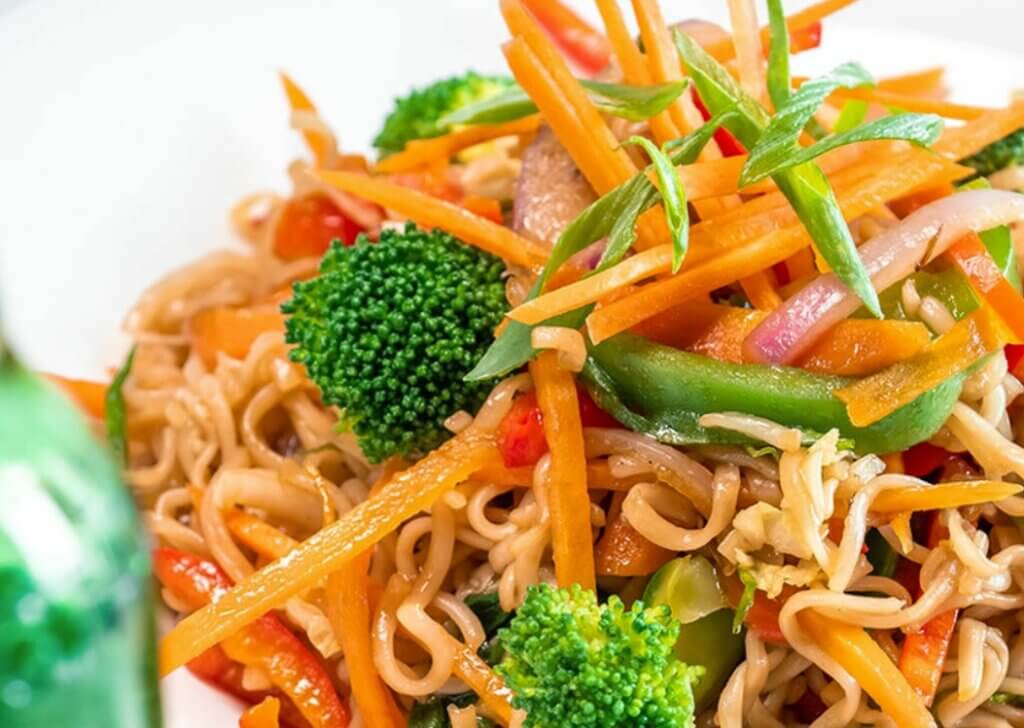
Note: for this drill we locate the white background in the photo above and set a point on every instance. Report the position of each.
(127, 129)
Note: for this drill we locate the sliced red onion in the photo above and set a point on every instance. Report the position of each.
(551, 191)
(794, 327)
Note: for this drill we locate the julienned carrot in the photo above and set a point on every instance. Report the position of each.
(299, 101)
(861, 656)
(426, 210)
(90, 396)
(929, 497)
(622, 551)
(958, 142)
(231, 330)
(420, 152)
(349, 611)
(908, 102)
(520, 23)
(749, 51)
(580, 41)
(405, 495)
(719, 257)
(266, 540)
(262, 715)
(725, 50)
(917, 83)
(571, 537)
(974, 260)
(872, 398)
(482, 680)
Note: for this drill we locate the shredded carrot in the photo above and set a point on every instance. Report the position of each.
(622, 551)
(974, 260)
(572, 542)
(928, 497)
(485, 207)
(266, 540)
(425, 210)
(749, 53)
(349, 611)
(861, 656)
(720, 255)
(91, 397)
(231, 330)
(421, 152)
(958, 142)
(908, 102)
(599, 476)
(872, 398)
(299, 101)
(617, 162)
(894, 463)
(581, 41)
(482, 680)
(262, 715)
(917, 83)
(725, 50)
(329, 549)
(906, 205)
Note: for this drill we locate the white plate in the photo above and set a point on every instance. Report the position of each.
(129, 128)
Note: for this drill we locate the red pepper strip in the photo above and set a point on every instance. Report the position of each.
(971, 256)
(763, 616)
(584, 45)
(924, 649)
(307, 225)
(1015, 359)
(924, 459)
(623, 551)
(521, 433)
(727, 143)
(265, 643)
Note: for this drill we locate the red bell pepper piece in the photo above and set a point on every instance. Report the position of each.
(590, 414)
(265, 644)
(1015, 359)
(763, 616)
(307, 226)
(582, 44)
(925, 649)
(924, 459)
(727, 143)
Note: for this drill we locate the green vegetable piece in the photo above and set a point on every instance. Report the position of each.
(780, 85)
(115, 414)
(635, 103)
(663, 391)
(998, 155)
(689, 587)
(746, 600)
(388, 330)
(614, 216)
(487, 608)
(851, 116)
(417, 115)
(433, 712)
(998, 241)
(673, 198)
(1007, 699)
(804, 186)
(947, 285)
(881, 555)
(573, 662)
(76, 613)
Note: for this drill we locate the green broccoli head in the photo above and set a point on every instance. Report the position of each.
(415, 116)
(998, 155)
(572, 662)
(388, 330)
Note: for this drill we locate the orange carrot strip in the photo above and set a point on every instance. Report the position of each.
(266, 540)
(971, 256)
(91, 397)
(908, 102)
(482, 680)
(583, 43)
(725, 49)
(262, 715)
(861, 656)
(521, 23)
(426, 210)
(231, 330)
(929, 497)
(421, 152)
(622, 551)
(348, 609)
(572, 542)
(749, 53)
(299, 101)
(869, 400)
(405, 495)
(917, 83)
(962, 141)
(593, 288)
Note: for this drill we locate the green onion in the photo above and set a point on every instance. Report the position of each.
(779, 83)
(115, 416)
(635, 103)
(746, 601)
(614, 216)
(998, 241)
(673, 198)
(851, 116)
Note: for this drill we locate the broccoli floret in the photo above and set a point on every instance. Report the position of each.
(415, 116)
(998, 155)
(388, 330)
(572, 662)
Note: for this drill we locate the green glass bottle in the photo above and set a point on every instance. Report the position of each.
(77, 643)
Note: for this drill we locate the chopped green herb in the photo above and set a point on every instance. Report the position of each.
(779, 83)
(851, 116)
(746, 601)
(673, 198)
(115, 417)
